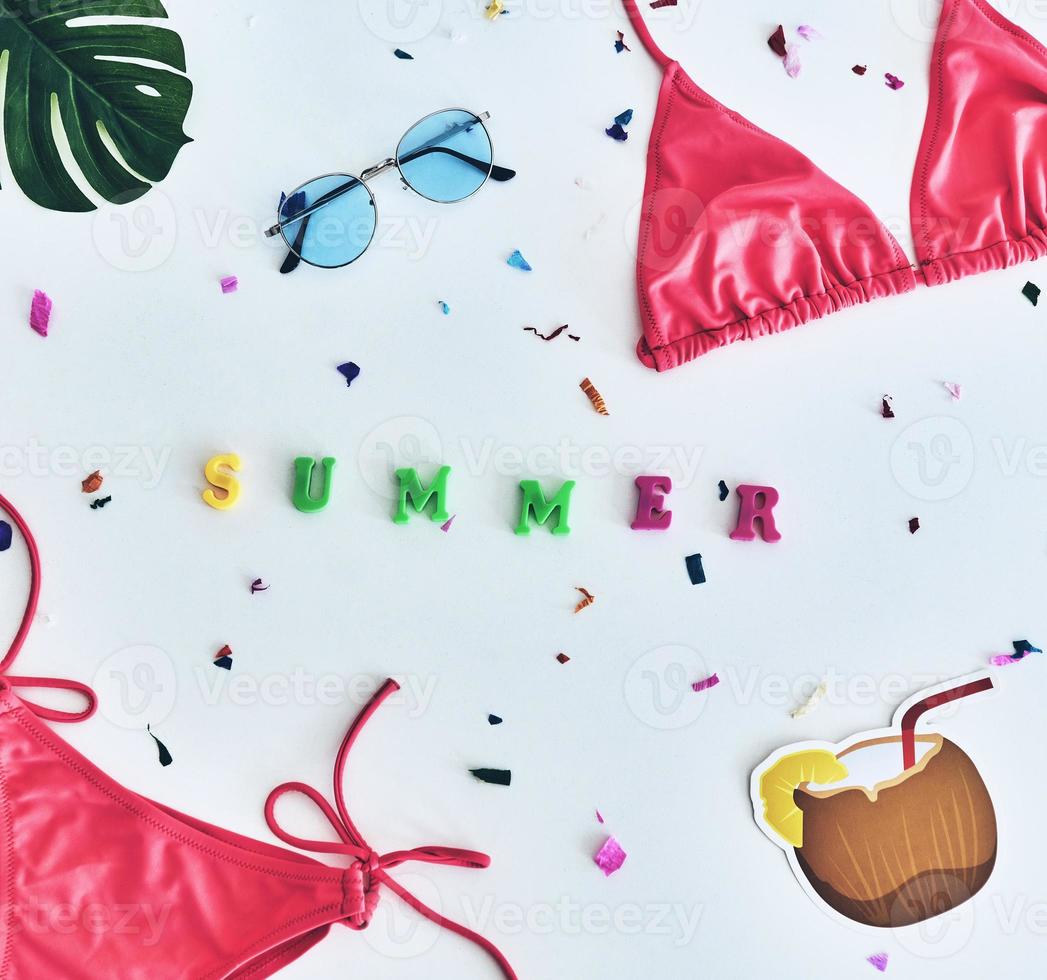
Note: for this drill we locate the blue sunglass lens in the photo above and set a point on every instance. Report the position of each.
(340, 228)
(446, 156)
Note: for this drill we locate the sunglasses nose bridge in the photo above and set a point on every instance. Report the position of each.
(379, 168)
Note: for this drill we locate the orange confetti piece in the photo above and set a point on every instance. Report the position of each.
(587, 600)
(594, 396)
(93, 483)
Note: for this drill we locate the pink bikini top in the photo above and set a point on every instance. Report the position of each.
(741, 235)
(97, 881)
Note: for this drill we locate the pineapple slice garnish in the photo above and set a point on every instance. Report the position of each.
(778, 783)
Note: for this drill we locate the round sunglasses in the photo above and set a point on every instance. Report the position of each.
(329, 221)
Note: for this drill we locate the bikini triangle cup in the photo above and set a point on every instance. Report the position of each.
(741, 235)
(97, 881)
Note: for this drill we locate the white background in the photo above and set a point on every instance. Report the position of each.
(147, 353)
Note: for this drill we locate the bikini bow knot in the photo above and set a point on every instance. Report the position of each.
(369, 869)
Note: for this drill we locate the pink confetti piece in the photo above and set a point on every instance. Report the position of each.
(599, 817)
(893, 81)
(879, 960)
(711, 681)
(1005, 659)
(809, 33)
(40, 312)
(230, 284)
(954, 389)
(792, 61)
(446, 526)
(610, 857)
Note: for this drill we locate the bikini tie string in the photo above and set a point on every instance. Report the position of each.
(369, 871)
(8, 681)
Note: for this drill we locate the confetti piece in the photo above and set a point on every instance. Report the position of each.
(1022, 648)
(624, 118)
(620, 45)
(599, 817)
(165, 756)
(893, 81)
(493, 9)
(885, 409)
(517, 261)
(6, 535)
(610, 857)
(809, 33)
(497, 777)
(954, 389)
(446, 526)
(776, 42)
(792, 61)
(493, 720)
(258, 586)
(694, 569)
(100, 503)
(551, 336)
(349, 371)
(616, 133)
(724, 492)
(594, 396)
(587, 600)
(914, 525)
(860, 69)
(230, 284)
(93, 483)
(663, 3)
(224, 658)
(1031, 292)
(40, 312)
(562, 658)
(879, 960)
(444, 308)
(703, 685)
(808, 706)
(403, 55)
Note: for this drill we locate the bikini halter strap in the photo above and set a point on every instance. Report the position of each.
(50, 683)
(372, 868)
(644, 35)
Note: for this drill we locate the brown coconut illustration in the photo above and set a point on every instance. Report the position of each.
(894, 829)
(910, 848)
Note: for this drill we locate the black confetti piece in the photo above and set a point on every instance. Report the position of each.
(695, 570)
(914, 525)
(403, 55)
(100, 503)
(498, 777)
(723, 490)
(885, 407)
(1031, 292)
(1022, 648)
(258, 586)
(165, 756)
(224, 658)
(349, 371)
(5, 535)
(493, 720)
(551, 336)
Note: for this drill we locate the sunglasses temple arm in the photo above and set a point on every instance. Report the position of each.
(314, 207)
(497, 173)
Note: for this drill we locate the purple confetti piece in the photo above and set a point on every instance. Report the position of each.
(258, 586)
(610, 857)
(954, 389)
(893, 81)
(879, 960)
(599, 817)
(40, 312)
(349, 371)
(5, 535)
(230, 284)
(711, 681)
(616, 133)
(446, 526)
(809, 33)
(1005, 659)
(792, 61)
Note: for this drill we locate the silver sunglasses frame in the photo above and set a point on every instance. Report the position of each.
(374, 171)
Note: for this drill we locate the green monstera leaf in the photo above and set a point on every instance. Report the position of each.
(96, 77)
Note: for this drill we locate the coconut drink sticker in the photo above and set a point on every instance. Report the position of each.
(887, 828)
